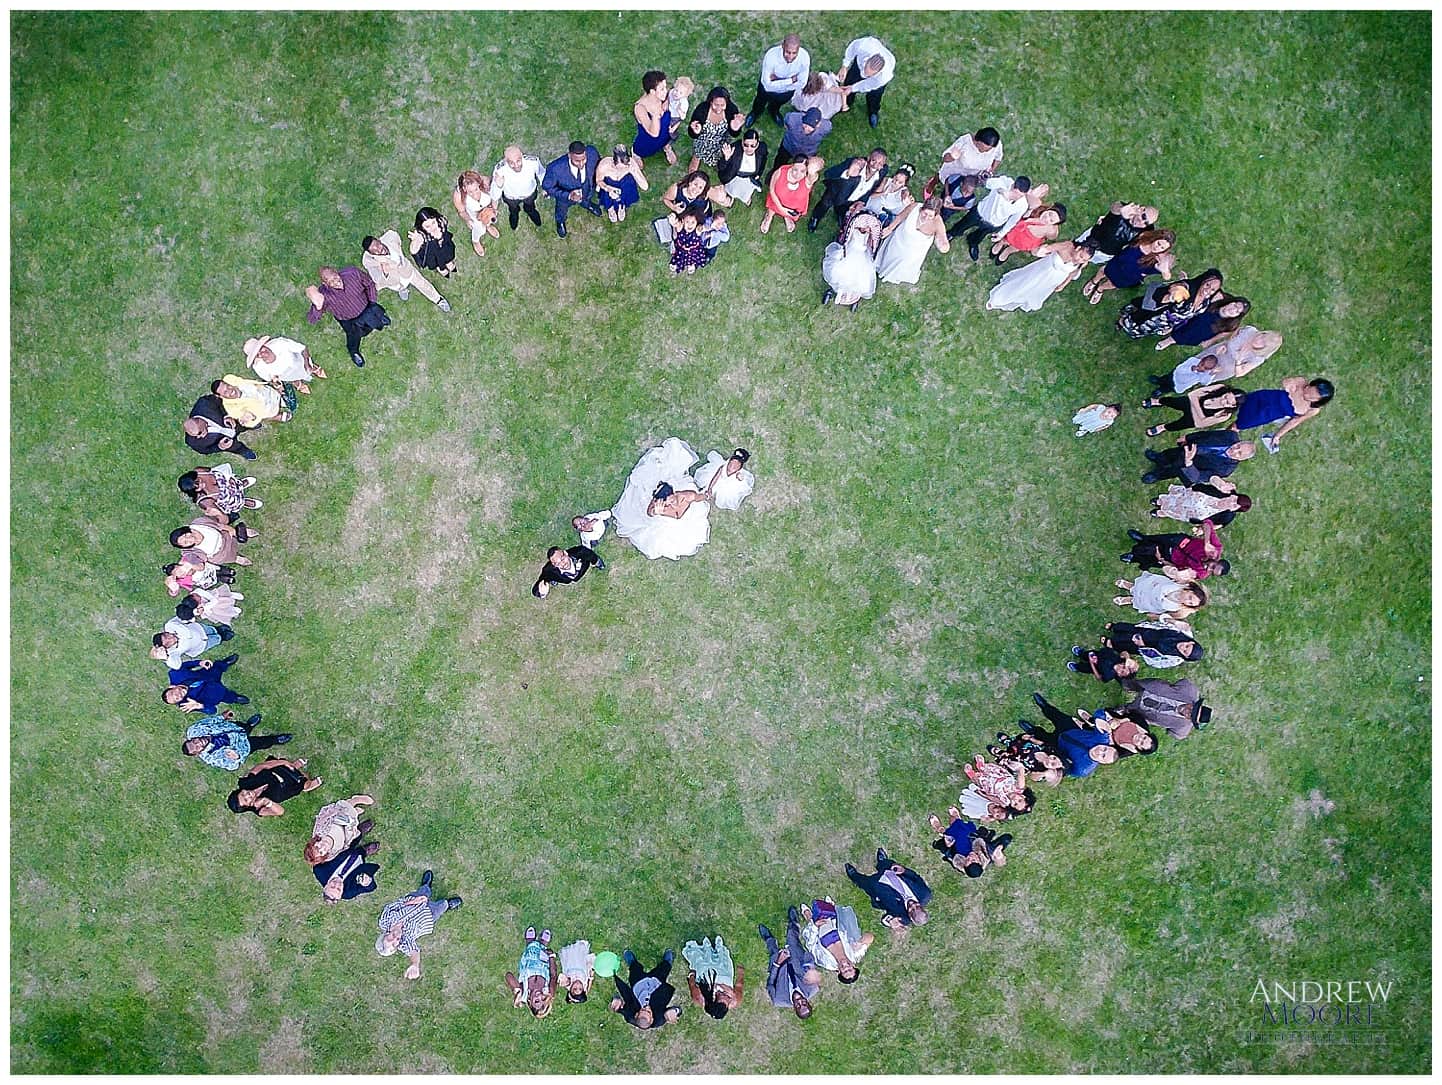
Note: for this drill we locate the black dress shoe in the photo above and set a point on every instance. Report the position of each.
(974, 251)
(454, 902)
(1134, 534)
(810, 226)
(594, 208)
(234, 657)
(828, 296)
(248, 454)
(428, 877)
(282, 739)
(1038, 700)
(253, 720)
(855, 305)
(241, 698)
(1149, 477)
(359, 361)
(875, 119)
(560, 229)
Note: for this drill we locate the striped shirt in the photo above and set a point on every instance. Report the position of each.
(357, 290)
(413, 913)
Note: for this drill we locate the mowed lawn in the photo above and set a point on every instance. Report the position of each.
(674, 749)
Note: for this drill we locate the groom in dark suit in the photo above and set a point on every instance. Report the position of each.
(571, 181)
(846, 182)
(899, 892)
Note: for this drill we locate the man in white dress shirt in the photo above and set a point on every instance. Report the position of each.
(997, 212)
(517, 177)
(728, 481)
(385, 261)
(591, 527)
(867, 67)
(784, 70)
(971, 156)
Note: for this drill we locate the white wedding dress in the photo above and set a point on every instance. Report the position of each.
(730, 490)
(1027, 287)
(662, 536)
(850, 268)
(901, 255)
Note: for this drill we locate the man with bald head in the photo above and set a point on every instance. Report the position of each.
(784, 70)
(867, 67)
(515, 179)
(349, 295)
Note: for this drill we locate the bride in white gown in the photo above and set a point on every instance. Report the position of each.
(909, 239)
(849, 266)
(674, 525)
(1027, 287)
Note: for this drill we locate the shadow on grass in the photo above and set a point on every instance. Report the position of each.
(129, 1035)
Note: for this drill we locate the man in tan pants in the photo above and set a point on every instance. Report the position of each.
(385, 261)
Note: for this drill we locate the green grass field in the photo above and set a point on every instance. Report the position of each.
(672, 749)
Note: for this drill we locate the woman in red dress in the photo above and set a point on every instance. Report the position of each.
(789, 193)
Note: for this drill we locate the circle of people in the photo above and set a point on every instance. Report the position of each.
(885, 233)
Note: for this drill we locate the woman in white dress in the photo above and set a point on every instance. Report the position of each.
(477, 208)
(726, 480)
(849, 266)
(661, 510)
(1027, 287)
(578, 970)
(1161, 596)
(908, 239)
(893, 196)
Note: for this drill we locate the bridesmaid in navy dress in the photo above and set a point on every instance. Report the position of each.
(1150, 254)
(1213, 324)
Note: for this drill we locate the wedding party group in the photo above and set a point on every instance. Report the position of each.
(885, 232)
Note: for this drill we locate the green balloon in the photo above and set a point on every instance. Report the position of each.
(606, 964)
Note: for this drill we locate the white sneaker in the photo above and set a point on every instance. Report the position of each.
(443, 305)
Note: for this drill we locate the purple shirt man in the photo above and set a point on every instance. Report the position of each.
(349, 295)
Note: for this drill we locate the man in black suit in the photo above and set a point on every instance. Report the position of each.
(898, 891)
(644, 998)
(571, 180)
(565, 567)
(852, 180)
(209, 432)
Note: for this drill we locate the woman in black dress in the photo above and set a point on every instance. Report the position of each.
(432, 245)
(262, 790)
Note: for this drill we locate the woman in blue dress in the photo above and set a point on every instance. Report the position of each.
(1292, 404)
(1150, 254)
(655, 126)
(1213, 324)
(621, 181)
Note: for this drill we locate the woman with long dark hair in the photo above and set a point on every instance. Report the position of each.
(714, 120)
(1168, 305)
(714, 979)
(1211, 325)
(432, 245)
(1150, 254)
